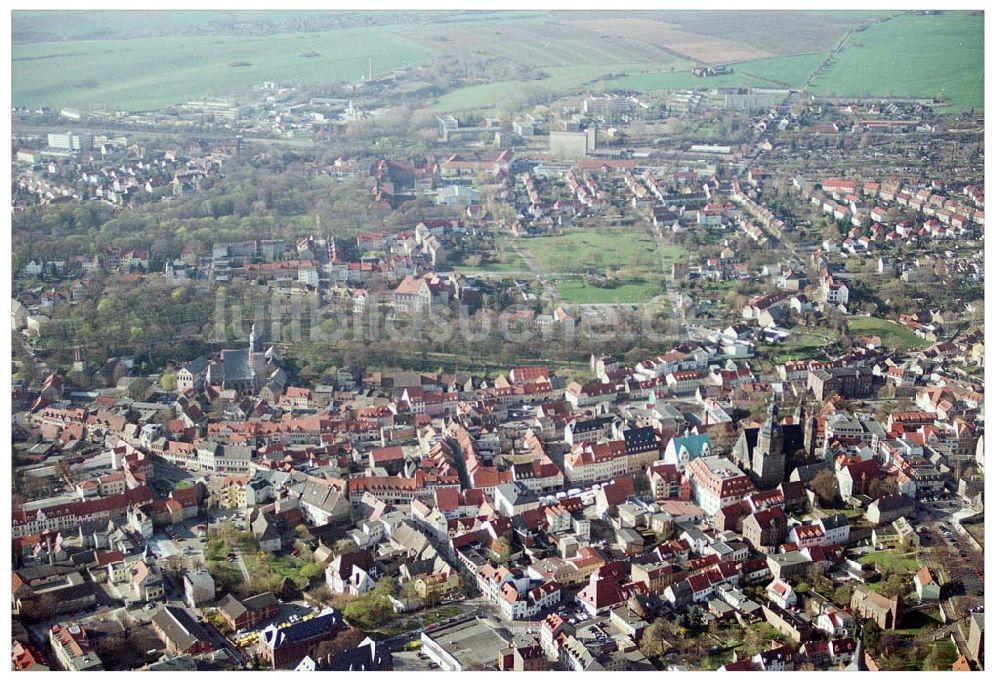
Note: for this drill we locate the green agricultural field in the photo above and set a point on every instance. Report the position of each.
(638, 290)
(35, 26)
(474, 97)
(912, 55)
(681, 78)
(779, 33)
(143, 60)
(787, 71)
(147, 73)
(792, 71)
(892, 334)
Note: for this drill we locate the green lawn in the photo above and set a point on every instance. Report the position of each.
(146, 73)
(638, 290)
(577, 250)
(892, 334)
(266, 568)
(913, 55)
(893, 560)
(636, 257)
(803, 344)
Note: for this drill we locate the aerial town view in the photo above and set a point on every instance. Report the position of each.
(506, 340)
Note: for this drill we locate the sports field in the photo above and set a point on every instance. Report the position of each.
(912, 55)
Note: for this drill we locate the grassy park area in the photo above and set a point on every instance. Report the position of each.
(893, 560)
(629, 291)
(578, 250)
(892, 334)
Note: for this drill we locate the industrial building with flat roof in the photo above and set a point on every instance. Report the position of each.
(469, 644)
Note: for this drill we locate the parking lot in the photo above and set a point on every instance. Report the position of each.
(412, 661)
(573, 614)
(942, 506)
(962, 564)
(186, 539)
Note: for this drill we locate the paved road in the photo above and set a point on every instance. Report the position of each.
(242, 565)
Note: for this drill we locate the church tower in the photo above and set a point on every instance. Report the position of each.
(768, 462)
(79, 359)
(250, 358)
(769, 439)
(809, 433)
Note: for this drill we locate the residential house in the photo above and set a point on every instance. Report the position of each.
(927, 586)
